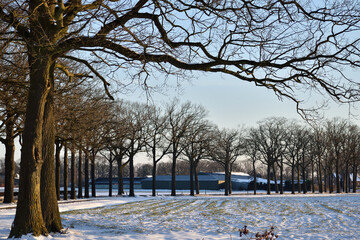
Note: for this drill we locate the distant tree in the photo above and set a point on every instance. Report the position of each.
(180, 119)
(226, 146)
(156, 145)
(196, 145)
(336, 133)
(270, 139)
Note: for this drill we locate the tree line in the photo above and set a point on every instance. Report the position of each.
(90, 128)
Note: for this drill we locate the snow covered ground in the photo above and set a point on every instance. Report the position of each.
(310, 216)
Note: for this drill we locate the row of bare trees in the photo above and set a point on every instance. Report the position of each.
(326, 154)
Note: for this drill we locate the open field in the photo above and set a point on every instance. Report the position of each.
(210, 217)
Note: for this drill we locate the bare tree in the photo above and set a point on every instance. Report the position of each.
(270, 139)
(196, 145)
(180, 118)
(226, 147)
(155, 144)
(336, 130)
(286, 43)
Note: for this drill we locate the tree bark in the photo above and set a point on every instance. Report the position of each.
(49, 192)
(80, 174)
(255, 180)
(154, 178)
(132, 175)
(28, 217)
(93, 185)
(320, 177)
(173, 173)
(110, 175)
(87, 195)
(66, 171)
(191, 163)
(57, 168)
(197, 185)
(337, 169)
(73, 192)
(292, 178)
(355, 172)
(9, 160)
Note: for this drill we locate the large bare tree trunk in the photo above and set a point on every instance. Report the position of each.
(9, 160)
(110, 175)
(320, 177)
(48, 194)
(28, 217)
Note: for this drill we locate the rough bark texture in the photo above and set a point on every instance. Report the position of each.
(28, 217)
(9, 161)
(48, 194)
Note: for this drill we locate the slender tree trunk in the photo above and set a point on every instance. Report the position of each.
(312, 177)
(355, 172)
(281, 177)
(28, 217)
(337, 169)
(49, 192)
(298, 178)
(154, 178)
(80, 174)
(87, 194)
(325, 180)
(346, 178)
(9, 160)
(57, 168)
(191, 163)
(132, 175)
(255, 180)
(110, 175)
(66, 171)
(230, 184)
(93, 184)
(304, 180)
(292, 178)
(227, 170)
(320, 177)
(72, 192)
(173, 173)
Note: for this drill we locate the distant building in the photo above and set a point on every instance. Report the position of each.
(103, 183)
(206, 182)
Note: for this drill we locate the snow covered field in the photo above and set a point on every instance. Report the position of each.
(207, 217)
